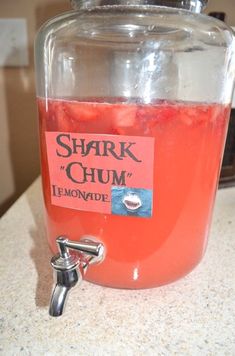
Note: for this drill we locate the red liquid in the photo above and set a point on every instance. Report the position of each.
(189, 142)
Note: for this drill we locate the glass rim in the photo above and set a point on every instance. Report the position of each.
(192, 5)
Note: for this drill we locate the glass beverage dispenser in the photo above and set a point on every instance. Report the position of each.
(134, 102)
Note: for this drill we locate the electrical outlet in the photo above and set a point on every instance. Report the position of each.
(13, 43)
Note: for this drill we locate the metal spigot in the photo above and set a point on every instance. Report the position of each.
(70, 267)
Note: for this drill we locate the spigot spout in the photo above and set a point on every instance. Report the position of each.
(65, 280)
(58, 300)
(71, 268)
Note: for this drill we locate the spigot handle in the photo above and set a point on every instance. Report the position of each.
(86, 246)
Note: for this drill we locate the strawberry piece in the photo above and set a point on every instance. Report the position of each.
(81, 111)
(57, 113)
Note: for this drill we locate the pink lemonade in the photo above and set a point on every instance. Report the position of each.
(143, 252)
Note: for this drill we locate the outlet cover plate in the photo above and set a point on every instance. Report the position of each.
(13, 43)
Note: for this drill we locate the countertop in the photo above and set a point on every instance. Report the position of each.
(194, 316)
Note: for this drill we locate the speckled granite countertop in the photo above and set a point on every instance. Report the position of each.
(194, 316)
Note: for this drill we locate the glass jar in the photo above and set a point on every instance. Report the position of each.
(134, 103)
